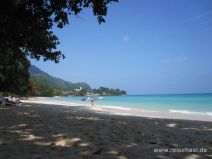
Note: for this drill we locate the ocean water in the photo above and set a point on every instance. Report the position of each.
(182, 103)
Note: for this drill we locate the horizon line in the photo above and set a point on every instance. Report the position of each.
(168, 94)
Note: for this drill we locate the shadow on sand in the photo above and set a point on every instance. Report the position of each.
(56, 132)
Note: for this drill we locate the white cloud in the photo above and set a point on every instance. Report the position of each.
(174, 60)
(125, 39)
(200, 16)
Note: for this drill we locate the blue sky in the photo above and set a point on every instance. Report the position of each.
(145, 47)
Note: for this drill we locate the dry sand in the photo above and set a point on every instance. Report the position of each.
(44, 131)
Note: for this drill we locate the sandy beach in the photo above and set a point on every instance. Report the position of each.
(127, 111)
(52, 131)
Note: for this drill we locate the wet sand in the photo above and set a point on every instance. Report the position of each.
(51, 131)
(127, 111)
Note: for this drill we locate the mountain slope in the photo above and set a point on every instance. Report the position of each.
(42, 77)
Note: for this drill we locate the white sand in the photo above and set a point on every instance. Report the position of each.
(128, 111)
(55, 131)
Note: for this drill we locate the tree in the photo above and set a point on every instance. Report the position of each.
(82, 92)
(109, 91)
(25, 32)
(14, 76)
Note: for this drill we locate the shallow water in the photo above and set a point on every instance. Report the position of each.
(181, 103)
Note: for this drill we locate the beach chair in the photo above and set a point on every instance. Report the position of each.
(13, 102)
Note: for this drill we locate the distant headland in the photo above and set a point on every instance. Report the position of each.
(46, 85)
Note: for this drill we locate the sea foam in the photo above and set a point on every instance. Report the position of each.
(190, 112)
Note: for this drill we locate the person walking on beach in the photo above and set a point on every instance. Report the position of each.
(92, 102)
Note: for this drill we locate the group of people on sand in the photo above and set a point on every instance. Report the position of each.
(9, 101)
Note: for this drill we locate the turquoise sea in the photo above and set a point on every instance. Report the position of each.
(182, 103)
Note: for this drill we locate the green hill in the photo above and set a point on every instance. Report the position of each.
(44, 82)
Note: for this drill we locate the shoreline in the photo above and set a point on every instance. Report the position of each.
(116, 110)
(61, 131)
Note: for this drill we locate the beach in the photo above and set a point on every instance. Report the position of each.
(128, 110)
(106, 79)
(41, 129)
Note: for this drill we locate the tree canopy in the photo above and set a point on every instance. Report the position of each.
(26, 32)
(109, 91)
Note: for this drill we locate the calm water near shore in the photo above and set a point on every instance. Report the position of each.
(181, 103)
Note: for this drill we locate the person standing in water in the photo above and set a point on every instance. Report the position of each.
(92, 102)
